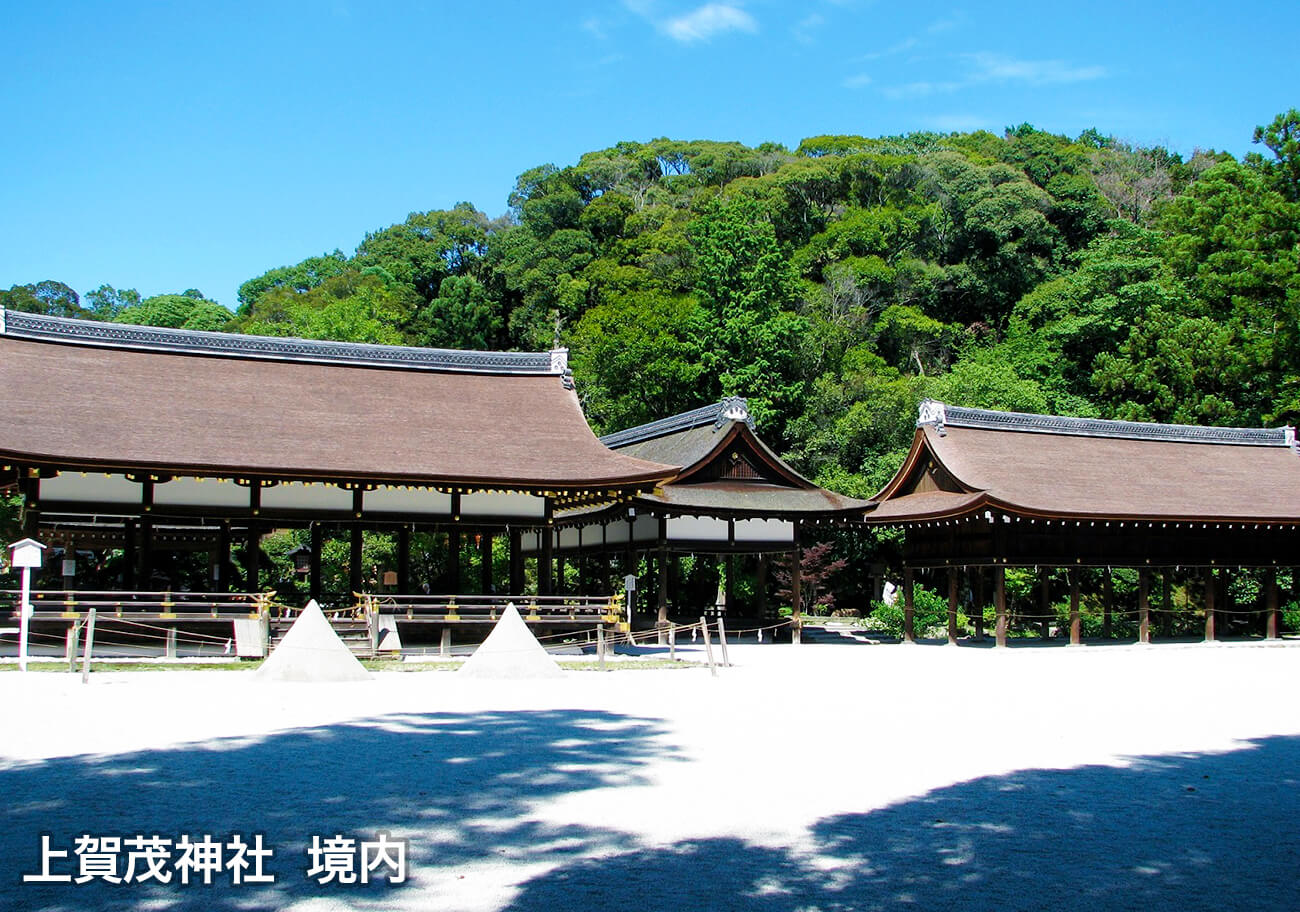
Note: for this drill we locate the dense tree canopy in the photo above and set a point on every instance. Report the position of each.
(837, 284)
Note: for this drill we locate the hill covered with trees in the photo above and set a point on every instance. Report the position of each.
(836, 284)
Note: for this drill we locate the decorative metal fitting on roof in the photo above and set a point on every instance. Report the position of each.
(733, 408)
(932, 411)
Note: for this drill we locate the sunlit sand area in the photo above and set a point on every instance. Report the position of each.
(816, 776)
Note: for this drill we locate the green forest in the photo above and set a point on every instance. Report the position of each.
(836, 284)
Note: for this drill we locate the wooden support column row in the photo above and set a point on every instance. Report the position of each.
(1210, 582)
(1144, 606)
(1000, 604)
(1076, 624)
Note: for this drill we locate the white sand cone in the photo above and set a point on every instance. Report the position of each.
(312, 652)
(511, 651)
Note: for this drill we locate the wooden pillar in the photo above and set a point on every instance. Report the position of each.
(1223, 602)
(1144, 606)
(403, 558)
(1107, 604)
(1045, 603)
(453, 560)
(314, 574)
(560, 564)
(253, 556)
(796, 585)
(220, 579)
(1209, 604)
(1076, 625)
(146, 553)
(1167, 593)
(1000, 603)
(516, 562)
(485, 562)
(130, 555)
(952, 606)
(728, 588)
(762, 587)
(979, 603)
(909, 605)
(356, 556)
(1271, 606)
(661, 617)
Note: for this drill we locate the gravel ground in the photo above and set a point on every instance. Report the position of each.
(808, 777)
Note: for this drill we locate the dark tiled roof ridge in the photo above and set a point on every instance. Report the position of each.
(732, 408)
(942, 415)
(39, 327)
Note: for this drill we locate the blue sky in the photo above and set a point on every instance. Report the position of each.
(164, 146)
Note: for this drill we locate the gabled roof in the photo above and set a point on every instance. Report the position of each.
(81, 394)
(725, 467)
(965, 460)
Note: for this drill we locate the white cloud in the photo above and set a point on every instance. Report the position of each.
(711, 19)
(803, 30)
(996, 67)
(861, 80)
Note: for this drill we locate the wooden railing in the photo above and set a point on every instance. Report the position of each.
(537, 609)
(52, 604)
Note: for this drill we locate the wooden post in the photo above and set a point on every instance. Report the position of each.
(1076, 624)
(356, 578)
(1045, 604)
(444, 645)
(90, 646)
(314, 571)
(453, 560)
(517, 562)
(1167, 615)
(404, 559)
(485, 562)
(1144, 606)
(909, 606)
(600, 646)
(254, 558)
(130, 557)
(728, 589)
(722, 641)
(169, 650)
(1209, 604)
(74, 638)
(979, 603)
(145, 579)
(952, 606)
(672, 641)
(796, 583)
(1271, 606)
(762, 588)
(661, 620)
(1000, 603)
(1107, 604)
(708, 647)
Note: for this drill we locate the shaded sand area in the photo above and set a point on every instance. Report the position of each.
(811, 777)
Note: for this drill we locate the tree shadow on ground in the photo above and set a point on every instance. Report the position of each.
(1184, 832)
(459, 785)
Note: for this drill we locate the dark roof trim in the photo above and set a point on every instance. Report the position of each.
(733, 408)
(941, 415)
(38, 327)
